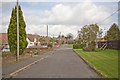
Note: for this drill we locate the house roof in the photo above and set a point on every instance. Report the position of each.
(101, 40)
(31, 37)
(3, 38)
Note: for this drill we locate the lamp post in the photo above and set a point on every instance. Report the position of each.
(17, 56)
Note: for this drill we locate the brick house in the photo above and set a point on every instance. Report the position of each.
(4, 42)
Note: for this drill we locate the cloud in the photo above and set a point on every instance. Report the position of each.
(4, 23)
(61, 17)
(3, 29)
(58, 0)
(5, 20)
(53, 29)
(81, 13)
(36, 29)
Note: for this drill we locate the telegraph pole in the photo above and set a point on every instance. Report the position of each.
(47, 30)
(53, 41)
(47, 36)
(17, 56)
(60, 39)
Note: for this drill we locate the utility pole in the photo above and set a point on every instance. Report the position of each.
(47, 30)
(60, 39)
(17, 56)
(53, 41)
(47, 36)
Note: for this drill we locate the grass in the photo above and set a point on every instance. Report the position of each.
(105, 61)
(7, 54)
(0, 54)
(70, 45)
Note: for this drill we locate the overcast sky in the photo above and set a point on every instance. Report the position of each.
(64, 17)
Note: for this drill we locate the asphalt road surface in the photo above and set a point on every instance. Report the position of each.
(64, 63)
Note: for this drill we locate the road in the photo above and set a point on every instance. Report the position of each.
(64, 63)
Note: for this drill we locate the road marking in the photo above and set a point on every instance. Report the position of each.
(15, 72)
(46, 56)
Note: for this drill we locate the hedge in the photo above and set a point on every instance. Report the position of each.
(78, 46)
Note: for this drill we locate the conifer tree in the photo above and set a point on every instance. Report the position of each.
(113, 33)
(12, 31)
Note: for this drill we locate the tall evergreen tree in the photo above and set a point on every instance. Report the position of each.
(113, 33)
(12, 31)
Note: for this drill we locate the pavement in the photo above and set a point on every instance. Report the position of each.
(8, 69)
(63, 63)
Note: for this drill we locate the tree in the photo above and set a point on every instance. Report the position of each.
(63, 36)
(100, 33)
(88, 35)
(113, 33)
(59, 36)
(12, 31)
(70, 36)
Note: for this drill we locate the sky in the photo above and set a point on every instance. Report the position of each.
(64, 17)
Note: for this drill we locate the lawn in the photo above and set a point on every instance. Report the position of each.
(105, 61)
(70, 45)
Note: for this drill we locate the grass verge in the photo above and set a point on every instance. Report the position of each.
(104, 61)
(70, 45)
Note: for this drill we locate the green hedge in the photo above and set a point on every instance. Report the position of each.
(78, 46)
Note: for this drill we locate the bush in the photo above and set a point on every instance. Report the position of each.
(78, 46)
(36, 52)
(50, 45)
(91, 47)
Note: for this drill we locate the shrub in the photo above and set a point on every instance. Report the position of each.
(50, 45)
(91, 47)
(36, 52)
(78, 46)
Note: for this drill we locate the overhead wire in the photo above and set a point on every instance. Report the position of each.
(108, 17)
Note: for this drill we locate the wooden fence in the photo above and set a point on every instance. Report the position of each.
(110, 44)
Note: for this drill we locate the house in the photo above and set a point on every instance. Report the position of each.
(108, 44)
(33, 40)
(4, 47)
(101, 40)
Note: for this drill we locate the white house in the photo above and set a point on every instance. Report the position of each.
(33, 40)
